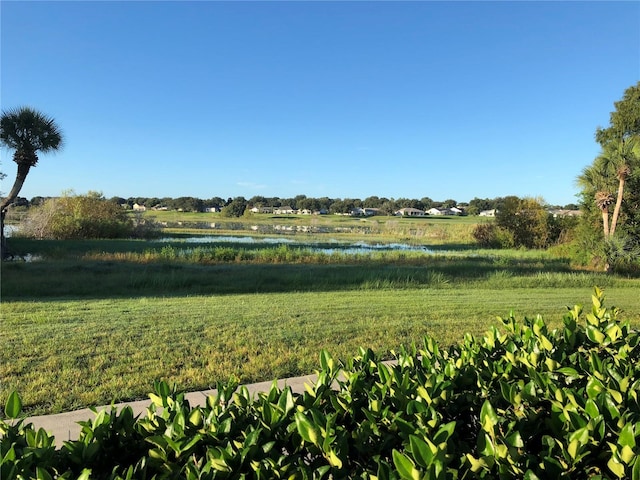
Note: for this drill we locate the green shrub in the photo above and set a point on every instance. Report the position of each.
(525, 402)
(489, 235)
(78, 216)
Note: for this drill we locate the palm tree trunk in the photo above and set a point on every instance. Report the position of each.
(4, 253)
(616, 210)
(605, 222)
(21, 176)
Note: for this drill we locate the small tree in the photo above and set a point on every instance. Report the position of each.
(235, 208)
(526, 219)
(78, 216)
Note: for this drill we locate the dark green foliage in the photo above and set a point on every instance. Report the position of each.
(490, 235)
(610, 190)
(526, 402)
(235, 208)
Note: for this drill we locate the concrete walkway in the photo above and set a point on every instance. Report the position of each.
(64, 426)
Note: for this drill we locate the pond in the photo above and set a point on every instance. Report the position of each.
(10, 230)
(267, 229)
(328, 246)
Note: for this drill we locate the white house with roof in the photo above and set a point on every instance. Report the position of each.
(488, 213)
(410, 212)
(444, 211)
(284, 210)
(262, 210)
(364, 212)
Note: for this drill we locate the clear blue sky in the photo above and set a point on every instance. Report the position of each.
(339, 99)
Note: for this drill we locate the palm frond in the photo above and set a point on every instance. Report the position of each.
(28, 131)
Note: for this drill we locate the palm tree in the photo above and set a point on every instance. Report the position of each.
(595, 183)
(27, 132)
(607, 177)
(621, 156)
(603, 200)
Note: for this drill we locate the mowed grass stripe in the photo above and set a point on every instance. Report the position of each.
(67, 354)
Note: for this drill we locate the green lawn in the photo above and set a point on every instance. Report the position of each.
(98, 321)
(67, 354)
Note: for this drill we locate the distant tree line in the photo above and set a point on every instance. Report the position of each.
(237, 205)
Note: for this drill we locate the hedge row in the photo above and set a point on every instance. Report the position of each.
(522, 402)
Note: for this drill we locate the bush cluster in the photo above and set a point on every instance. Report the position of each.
(525, 402)
(524, 222)
(80, 217)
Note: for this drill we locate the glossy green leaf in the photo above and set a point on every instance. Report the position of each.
(485, 446)
(529, 475)
(421, 451)
(307, 430)
(10, 456)
(85, 474)
(617, 397)
(546, 344)
(627, 454)
(573, 447)
(635, 471)
(404, 466)
(327, 362)
(595, 335)
(582, 436)
(334, 460)
(488, 417)
(616, 467)
(13, 406)
(515, 440)
(594, 387)
(568, 371)
(476, 464)
(42, 474)
(444, 432)
(627, 436)
(591, 408)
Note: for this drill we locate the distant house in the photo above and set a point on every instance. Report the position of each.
(262, 210)
(212, 209)
(488, 213)
(365, 212)
(410, 212)
(284, 210)
(444, 211)
(139, 208)
(565, 213)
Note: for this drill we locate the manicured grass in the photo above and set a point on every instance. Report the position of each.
(66, 354)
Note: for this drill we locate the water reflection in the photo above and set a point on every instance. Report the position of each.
(266, 229)
(328, 246)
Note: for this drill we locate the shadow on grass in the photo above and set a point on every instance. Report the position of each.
(107, 279)
(79, 269)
